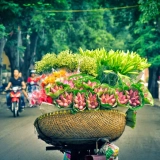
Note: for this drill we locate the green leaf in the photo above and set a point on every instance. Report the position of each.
(39, 3)
(131, 118)
(56, 94)
(52, 14)
(47, 4)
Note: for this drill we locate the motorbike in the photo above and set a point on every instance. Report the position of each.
(15, 94)
(82, 152)
(32, 86)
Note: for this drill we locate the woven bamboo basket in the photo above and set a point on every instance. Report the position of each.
(62, 127)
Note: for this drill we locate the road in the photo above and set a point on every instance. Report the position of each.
(18, 140)
(142, 142)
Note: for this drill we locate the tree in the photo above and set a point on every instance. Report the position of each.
(53, 26)
(147, 33)
(28, 19)
(2, 44)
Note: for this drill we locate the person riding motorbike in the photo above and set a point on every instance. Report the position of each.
(32, 85)
(16, 81)
(32, 79)
(25, 94)
(20, 74)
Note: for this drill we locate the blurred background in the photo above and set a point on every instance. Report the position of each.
(30, 29)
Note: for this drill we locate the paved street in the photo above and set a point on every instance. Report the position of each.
(142, 142)
(19, 142)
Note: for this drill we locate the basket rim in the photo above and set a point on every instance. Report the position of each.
(85, 111)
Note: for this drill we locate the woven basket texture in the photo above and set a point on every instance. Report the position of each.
(83, 125)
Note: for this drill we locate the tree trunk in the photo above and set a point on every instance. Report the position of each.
(25, 62)
(29, 54)
(2, 44)
(19, 43)
(152, 84)
(11, 50)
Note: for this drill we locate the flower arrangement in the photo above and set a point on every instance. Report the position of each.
(81, 92)
(116, 88)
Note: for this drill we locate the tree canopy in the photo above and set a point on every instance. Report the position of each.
(30, 29)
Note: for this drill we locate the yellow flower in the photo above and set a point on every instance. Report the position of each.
(50, 79)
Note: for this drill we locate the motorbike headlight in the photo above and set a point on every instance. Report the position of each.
(15, 89)
(32, 83)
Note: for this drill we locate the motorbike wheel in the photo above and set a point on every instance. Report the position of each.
(17, 113)
(15, 109)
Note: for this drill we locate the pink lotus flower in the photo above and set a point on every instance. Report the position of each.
(38, 97)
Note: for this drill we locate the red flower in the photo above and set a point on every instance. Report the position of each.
(49, 99)
(43, 85)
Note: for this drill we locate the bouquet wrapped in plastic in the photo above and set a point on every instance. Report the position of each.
(110, 151)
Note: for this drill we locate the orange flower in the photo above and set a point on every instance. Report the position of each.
(63, 72)
(52, 77)
(56, 74)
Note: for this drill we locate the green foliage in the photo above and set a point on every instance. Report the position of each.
(129, 63)
(95, 62)
(59, 31)
(9, 6)
(147, 42)
(88, 65)
(146, 31)
(2, 31)
(48, 62)
(68, 60)
(131, 118)
(98, 54)
(155, 61)
(150, 9)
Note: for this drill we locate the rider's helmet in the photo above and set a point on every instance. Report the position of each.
(33, 71)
